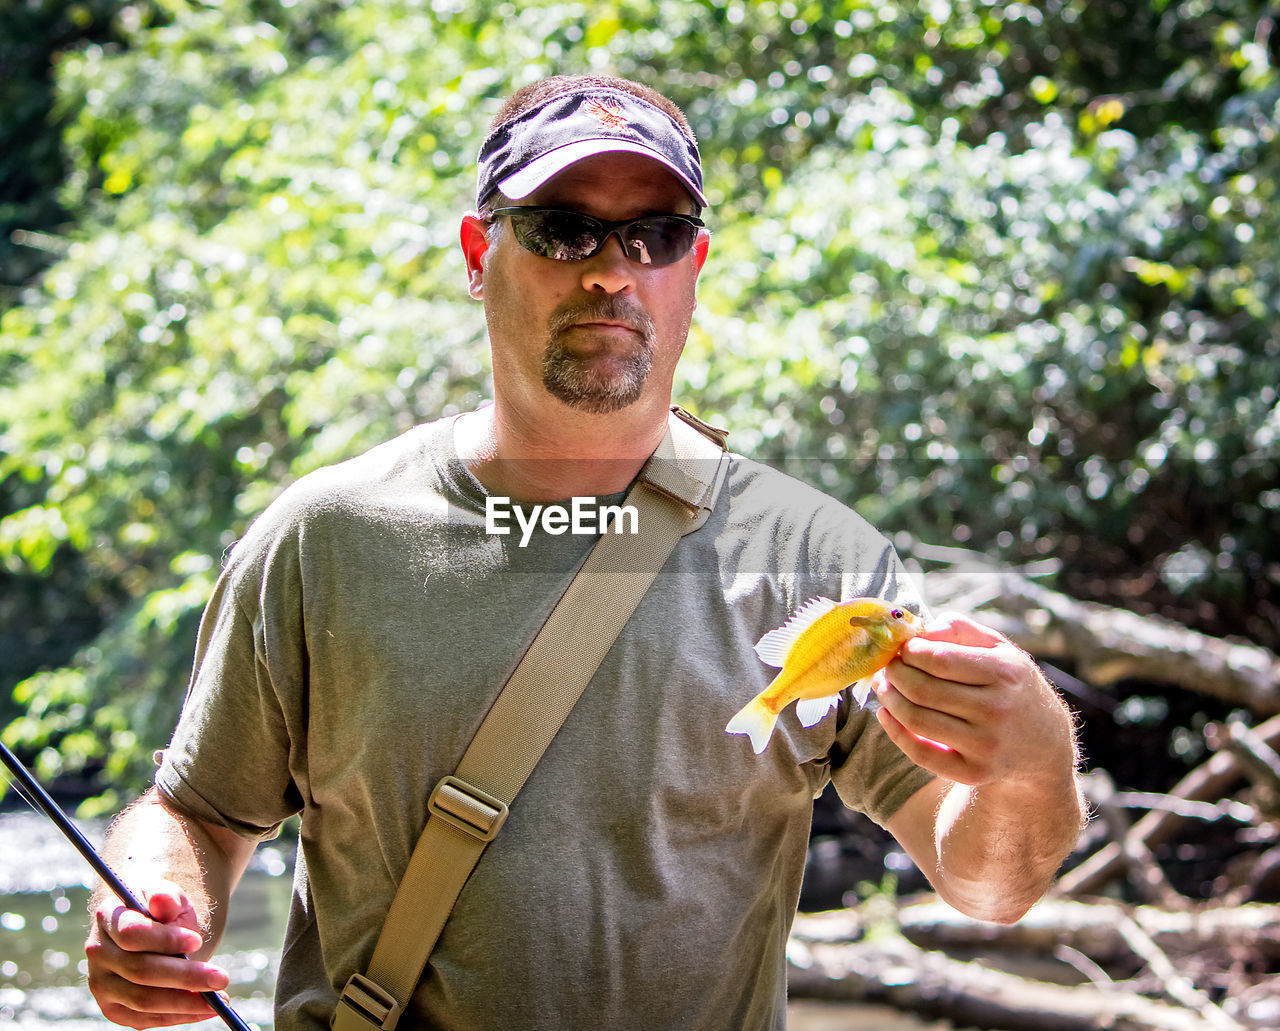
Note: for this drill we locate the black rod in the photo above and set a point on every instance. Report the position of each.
(33, 789)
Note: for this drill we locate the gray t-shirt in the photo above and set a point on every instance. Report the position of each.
(650, 868)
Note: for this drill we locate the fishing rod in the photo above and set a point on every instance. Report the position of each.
(37, 794)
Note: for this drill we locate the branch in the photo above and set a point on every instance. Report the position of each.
(895, 972)
(1255, 754)
(1145, 873)
(1210, 780)
(1107, 644)
(1090, 928)
(1176, 985)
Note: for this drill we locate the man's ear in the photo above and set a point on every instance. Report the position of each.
(475, 242)
(701, 245)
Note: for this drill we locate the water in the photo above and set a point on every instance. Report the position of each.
(43, 899)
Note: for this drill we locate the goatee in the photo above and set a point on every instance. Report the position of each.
(596, 383)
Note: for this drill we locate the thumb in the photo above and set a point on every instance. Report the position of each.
(957, 629)
(167, 903)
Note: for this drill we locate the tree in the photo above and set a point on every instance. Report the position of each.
(32, 33)
(997, 274)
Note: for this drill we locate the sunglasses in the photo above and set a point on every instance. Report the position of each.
(653, 240)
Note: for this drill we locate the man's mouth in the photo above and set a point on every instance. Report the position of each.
(606, 317)
(605, 324)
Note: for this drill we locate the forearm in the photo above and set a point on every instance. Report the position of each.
(999, 845)
(150, 842)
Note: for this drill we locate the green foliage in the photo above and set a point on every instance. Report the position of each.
(997, 274)
(32, 33)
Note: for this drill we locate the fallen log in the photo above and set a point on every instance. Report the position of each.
(1091, 928)
(895, 972)
(1106, 644)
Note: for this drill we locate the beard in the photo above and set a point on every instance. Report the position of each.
(598, 383)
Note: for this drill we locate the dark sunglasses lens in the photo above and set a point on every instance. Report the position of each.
(659, 241)
(569, 236)
(563, 235)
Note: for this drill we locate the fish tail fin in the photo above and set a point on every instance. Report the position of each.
(756, 721)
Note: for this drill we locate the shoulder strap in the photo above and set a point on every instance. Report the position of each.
(673, 496)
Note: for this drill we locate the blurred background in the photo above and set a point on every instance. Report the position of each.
(1002, 276)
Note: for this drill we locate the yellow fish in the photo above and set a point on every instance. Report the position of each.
(822, 649)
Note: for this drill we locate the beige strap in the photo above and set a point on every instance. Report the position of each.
(673, 496)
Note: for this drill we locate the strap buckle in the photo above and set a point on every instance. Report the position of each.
(369, 1004)
(467, 808)
(687, 464)
(716, 434)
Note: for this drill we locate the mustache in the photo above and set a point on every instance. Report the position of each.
(601, 309)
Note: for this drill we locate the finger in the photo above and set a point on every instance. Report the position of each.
(148, 998)
(934, 756)
(152, 968)
(974, 665)
(166, 905)
(136, 932)
(934, 705)
(930, 691)
(964, 720)
(917, 711)
(963, 630)
(944, 760)
(139, 1006)
(128, 1018)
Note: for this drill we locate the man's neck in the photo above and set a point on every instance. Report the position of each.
(580, 456)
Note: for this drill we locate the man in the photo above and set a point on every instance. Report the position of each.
(650, 868)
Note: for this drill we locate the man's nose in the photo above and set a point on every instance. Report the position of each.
(609, 270)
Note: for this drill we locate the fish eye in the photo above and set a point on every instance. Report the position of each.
(896, 613)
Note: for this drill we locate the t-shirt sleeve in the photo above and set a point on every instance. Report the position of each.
(870, 772)
(229, 761)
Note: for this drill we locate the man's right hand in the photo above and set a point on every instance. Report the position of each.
(138, 970)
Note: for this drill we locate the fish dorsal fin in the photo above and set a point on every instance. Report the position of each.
(811, 710)
(772, 648)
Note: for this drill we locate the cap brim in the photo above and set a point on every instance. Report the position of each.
(520, 184)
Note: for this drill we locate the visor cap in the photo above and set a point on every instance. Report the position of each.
(521, 155)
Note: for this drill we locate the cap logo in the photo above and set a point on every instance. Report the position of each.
(608, 113)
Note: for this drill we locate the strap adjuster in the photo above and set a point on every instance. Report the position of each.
(372, 1004)
(467, 808)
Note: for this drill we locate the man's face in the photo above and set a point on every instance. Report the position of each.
(597, 334)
